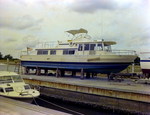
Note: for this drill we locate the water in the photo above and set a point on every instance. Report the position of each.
(80, 108)
(77, 107)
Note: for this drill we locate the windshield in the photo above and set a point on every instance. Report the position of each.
(17, 79)
(6, 79)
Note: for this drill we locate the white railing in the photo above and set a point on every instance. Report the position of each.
(145, 55)
(124, 52)
(27, 52)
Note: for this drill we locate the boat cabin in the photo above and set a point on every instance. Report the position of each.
(77, 48)
(8, 82)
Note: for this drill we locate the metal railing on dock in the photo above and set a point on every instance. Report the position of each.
(18, 68)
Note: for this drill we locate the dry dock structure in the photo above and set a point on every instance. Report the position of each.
(124, 96)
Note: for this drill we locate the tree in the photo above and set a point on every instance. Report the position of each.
(137, 61)
(1, 56)
(8, 56)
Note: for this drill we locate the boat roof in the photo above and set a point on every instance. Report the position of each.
(105, 42)
(74, 32)
(7, 73)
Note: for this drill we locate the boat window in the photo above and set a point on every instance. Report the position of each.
(17, 79)
(86, 46)
(26, 87)
(53, 52)
(6, 79)
(65, 51)
(80, 47)
(70, 52)
(92, 46)
(42, 52)
(1, 89)
(9, 89)
(45, 52)
(99, 47)
(39, 52)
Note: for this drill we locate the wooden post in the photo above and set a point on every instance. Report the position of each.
(46, 72)
(73, 73)
(82, 74)
(116, 76)
(109, 75)
(26, 70)
(92, 75)
(62, 72)
(87, 75)
(38, 72)
(58, 73)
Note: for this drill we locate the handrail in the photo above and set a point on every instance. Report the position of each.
(124, 52)
(145, 55)
(117, 52)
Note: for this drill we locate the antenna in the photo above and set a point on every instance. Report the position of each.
(102, 25)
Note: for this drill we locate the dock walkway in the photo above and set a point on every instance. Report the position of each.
(13, 107)
(128, 85)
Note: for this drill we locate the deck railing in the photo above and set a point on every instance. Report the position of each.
(28, 53)
(117, 52)
(145, 55)
(124, 52)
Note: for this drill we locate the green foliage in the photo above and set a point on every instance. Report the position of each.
(8, 56)
(137, 60)
(1, 56)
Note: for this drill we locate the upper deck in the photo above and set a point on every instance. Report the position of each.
(80, 44)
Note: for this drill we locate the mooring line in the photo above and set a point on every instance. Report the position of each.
(61, 106)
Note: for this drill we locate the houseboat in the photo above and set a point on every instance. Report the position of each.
(94, 56)
(13, 86)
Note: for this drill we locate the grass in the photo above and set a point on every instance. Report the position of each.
(137, 68)
(11, 61)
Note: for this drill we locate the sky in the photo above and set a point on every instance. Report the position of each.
(24, 23)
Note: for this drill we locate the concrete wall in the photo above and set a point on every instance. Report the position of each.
(113, 99)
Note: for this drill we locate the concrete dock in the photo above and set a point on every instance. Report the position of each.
(126, 95)
(13, 107)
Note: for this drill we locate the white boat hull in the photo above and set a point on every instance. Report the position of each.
(94, 64)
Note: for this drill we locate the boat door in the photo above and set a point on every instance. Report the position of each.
(89, 49)
(80, 49)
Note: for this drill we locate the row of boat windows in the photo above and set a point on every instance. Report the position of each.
(53, 52)
(82, 47)
(90, 47)
(10, 89)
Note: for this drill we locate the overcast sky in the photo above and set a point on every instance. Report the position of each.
(23, 23)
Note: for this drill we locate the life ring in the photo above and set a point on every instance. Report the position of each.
(71, 44)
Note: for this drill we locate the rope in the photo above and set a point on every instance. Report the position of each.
(34, 99)
(61, 107)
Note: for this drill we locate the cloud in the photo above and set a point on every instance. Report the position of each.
(90, 6)
(30, 41)
(19, 22)
(9, 39)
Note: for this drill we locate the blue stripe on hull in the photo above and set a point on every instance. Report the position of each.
(144, 60)
(76, 66)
